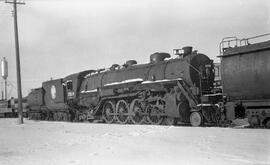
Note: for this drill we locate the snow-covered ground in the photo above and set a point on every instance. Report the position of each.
(62, 143)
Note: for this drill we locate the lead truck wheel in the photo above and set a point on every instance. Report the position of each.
(196, 119)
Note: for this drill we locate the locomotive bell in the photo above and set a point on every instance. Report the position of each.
(158, 57)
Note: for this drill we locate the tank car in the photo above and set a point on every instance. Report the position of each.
(165, 90)
(245, 81)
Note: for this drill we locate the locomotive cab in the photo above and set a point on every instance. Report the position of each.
(72, 85)
(69, 89)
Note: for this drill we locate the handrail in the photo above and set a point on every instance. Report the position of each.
(233, 41)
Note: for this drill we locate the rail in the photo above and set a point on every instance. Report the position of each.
(229, 42)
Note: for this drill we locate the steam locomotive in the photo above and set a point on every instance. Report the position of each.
(164, 91)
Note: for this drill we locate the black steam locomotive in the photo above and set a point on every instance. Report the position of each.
(164, 91)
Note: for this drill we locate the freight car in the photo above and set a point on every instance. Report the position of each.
(245, 79)
(5, 109)
(165, 90)
(9, 108)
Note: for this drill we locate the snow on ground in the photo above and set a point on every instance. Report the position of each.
(63, 143)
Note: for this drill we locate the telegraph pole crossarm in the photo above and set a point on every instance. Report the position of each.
(12, 2)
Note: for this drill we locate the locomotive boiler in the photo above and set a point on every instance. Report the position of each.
(165, 90)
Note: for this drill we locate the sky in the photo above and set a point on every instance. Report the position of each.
(61, 37)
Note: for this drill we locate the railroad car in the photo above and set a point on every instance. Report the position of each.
(9, 108)
(245, 79)
(5, 109)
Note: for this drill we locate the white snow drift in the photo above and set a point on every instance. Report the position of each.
(63, 143)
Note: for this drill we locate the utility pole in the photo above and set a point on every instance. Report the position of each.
(19, 86)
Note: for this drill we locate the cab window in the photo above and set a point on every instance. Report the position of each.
(69, 85)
